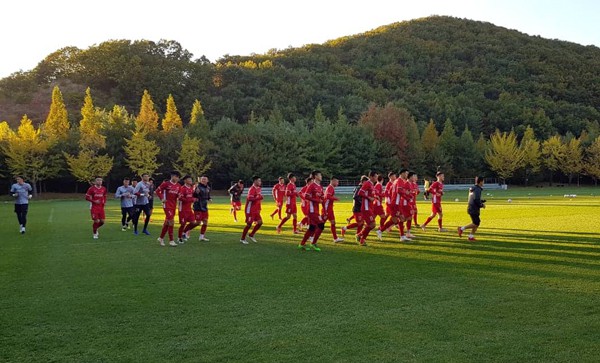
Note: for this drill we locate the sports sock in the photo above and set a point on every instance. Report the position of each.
(256, 228)
(203, 229)
(170, 230)
(295, 224)
(245, 232)
(408, 224)
(164, 230)
(95, 227)
(387, 225)
(427, 221)
(182, 228)
(318, 232)
(415, 217)
(309, 232)
(440, 222)
(333, 231)
(352, 225)
(401, 227)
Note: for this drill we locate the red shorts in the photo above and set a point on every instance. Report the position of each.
(98, 213)
(236, 205)
(200, 216)
(315, 218)
(378, 210)
(169, 214)
(186, 216)
(368, 216)
(329, 215)
(436, 208)
(406, 211)
(253, 218)
(279, 203)
(291, 208)
(389, 209)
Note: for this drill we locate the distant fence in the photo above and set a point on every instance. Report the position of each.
(346, 186)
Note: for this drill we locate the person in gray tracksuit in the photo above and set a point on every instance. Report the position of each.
(21, 191)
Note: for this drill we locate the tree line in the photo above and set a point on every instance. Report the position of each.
(115, 143)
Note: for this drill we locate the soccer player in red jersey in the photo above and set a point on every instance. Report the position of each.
(414, 187)
(290, 204)
(96, 195)
(377, 203)
(398, 209)
(253, 202)
(236, 191)
(392, 176)
(314, 197)
(168, 193)
(278, 196)
(303, 203)
(436, 190)
(328, 201)
(411, 196)
(187, 220)
(367, 193)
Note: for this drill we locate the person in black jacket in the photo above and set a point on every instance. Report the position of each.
(474, 207)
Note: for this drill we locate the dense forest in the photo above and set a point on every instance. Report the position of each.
(428, 93)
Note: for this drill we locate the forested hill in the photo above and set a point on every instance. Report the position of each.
(473, 73)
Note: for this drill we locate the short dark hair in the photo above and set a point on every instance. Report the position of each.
(372, 173)
(364, 178)
(392, 173)
(403, 170)
(126, 178)
(186, 177)
(150, 179)
(135, 179)
(379, 178)
(280, 178)
(439, 173)
(255, 177)
(411, 173)
(334, 177)
(144, 174)
(314, 173)
(290, 176)
(176, 173)
(309, 179)
(478, 179)
(240, 181)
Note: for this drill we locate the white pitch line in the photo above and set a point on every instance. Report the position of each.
(51, 215)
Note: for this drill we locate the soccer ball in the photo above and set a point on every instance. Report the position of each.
(510, 200)
(456, 200)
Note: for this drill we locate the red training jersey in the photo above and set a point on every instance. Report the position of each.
(253, 200)
(329, 198)
(290, 194)
(96, 194)
(366, 191)
(378, 193)
(314, 197)
(168, 193)
(389, 187)
(186, 197)
(401, 193)
(279, 192)
(414, 191)
(302, 196)
(436, 190)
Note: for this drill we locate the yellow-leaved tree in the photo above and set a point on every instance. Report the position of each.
(592, 160)
(191, 160)
(531, 153)
(553, 153)
(141, 153)
(147, 119)
(88, 163)
(504, 155)
(56, 128)
(26, 153)
(172, 119)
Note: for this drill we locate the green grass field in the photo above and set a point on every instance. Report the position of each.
(527, 291)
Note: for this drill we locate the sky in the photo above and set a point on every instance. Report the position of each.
(32, 29)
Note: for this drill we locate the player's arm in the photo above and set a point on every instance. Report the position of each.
(89, 195)
(364, 192)
(118, 194)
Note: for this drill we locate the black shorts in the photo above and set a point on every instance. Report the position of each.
(21, 208)
(150, 203)
(142, 208)
(128, 210)
(475, 218)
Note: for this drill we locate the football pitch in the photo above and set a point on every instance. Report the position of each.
(527, 291)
